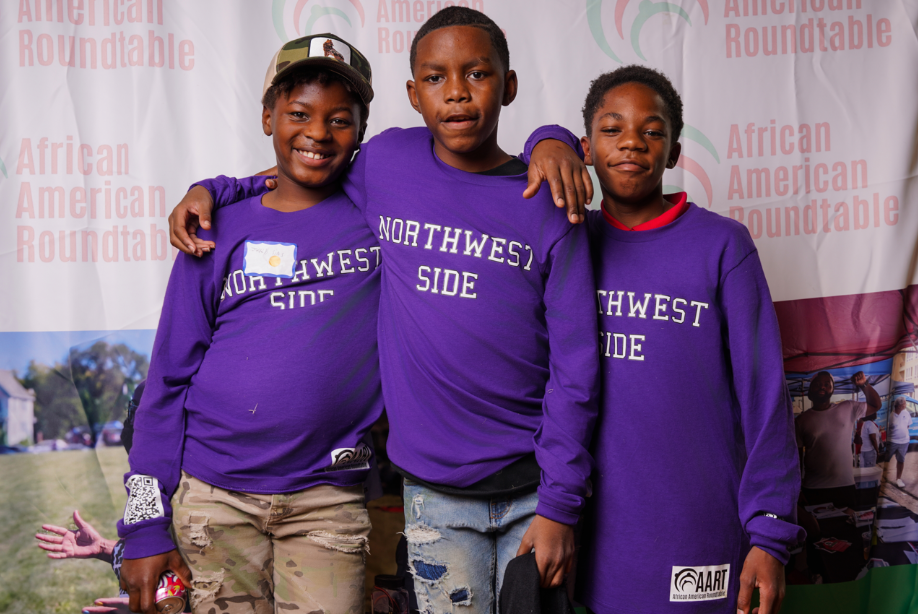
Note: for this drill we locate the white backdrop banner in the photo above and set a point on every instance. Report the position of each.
(800, 116)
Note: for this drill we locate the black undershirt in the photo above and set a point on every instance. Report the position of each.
(523, 475)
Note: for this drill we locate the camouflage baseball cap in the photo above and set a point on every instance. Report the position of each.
(329, 52)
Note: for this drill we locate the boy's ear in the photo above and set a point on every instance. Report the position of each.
(674, 153)
(266, 120)
(587, 152)
(511, 87)
(412, 95)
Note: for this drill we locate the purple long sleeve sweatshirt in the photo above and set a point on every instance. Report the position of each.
(486, 320)
(694, 443)
(265, 372)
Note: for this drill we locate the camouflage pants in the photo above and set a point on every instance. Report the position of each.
(266, 553)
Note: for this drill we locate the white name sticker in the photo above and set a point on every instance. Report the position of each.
(269, 258)
(699, 583)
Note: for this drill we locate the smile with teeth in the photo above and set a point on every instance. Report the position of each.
(312, 155)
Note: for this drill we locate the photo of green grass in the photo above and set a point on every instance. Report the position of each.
(45, 488)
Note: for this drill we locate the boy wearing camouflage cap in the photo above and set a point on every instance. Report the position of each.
(265, 375)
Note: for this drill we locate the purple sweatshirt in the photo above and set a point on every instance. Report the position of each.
(265, 370)
(485, 321)
(695, 440)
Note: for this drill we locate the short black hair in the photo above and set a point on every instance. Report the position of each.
(462, 16)
(634, 73)
(311, 74)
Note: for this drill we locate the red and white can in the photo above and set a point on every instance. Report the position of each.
(170, 594)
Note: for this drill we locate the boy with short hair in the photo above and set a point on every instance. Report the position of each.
(265, 375)
(692, 370)
(487, 349)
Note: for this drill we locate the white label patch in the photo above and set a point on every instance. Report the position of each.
(350, 459)
(269, 258)
(144, 501)
(330, 48)
(699, 583)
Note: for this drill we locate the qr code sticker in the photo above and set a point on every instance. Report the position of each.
(144, 501)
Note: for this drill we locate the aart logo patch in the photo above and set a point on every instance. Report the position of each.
(699, 583)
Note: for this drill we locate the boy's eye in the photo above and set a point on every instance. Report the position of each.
(339, 121)
(477, 74)
(298, 115)
(434, 78)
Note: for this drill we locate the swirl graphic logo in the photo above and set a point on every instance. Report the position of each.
(292, 20)
(692, 166)
(687, 578)
(646, 10)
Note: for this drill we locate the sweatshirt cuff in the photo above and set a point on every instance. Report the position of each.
(552, 508)
(775, 536)
(149, 540)
(555, 132)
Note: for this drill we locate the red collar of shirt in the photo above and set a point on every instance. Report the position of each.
(680, 206)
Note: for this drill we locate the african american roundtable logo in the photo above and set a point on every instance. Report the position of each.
(301, 22)
(646, 10)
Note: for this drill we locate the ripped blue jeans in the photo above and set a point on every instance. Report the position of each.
(459, 547)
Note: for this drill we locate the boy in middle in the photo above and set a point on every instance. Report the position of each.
(488, 352)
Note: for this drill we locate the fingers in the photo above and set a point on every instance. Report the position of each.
(534, 181)
(525, 545)
(178, 234)
(133, 599)
(271, 183)
(587, 184)
(766, 600)
(204, 217)
(147, 594)
(551, 571)
(744, 601)
(182, 571)
(556, 185)
(78, 520)
(53, 529)
(51, 539)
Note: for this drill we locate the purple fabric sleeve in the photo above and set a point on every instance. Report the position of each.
(228, 190)
(183, 336)
(771, 477)
(555, 132)
(570, 405)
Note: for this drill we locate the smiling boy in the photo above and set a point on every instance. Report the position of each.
(487, 350)
(692, 369)
(265, 375)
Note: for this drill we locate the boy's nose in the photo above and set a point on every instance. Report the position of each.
(457, 91)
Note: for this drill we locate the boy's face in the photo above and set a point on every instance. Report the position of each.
(459, 87)
(631, 143)
(316, 130)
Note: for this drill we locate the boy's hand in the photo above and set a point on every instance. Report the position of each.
(859, 379)
(83, 543)
(553, 543)
(193, 210)
(566, 174)
(765, 572)
(140, 577)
